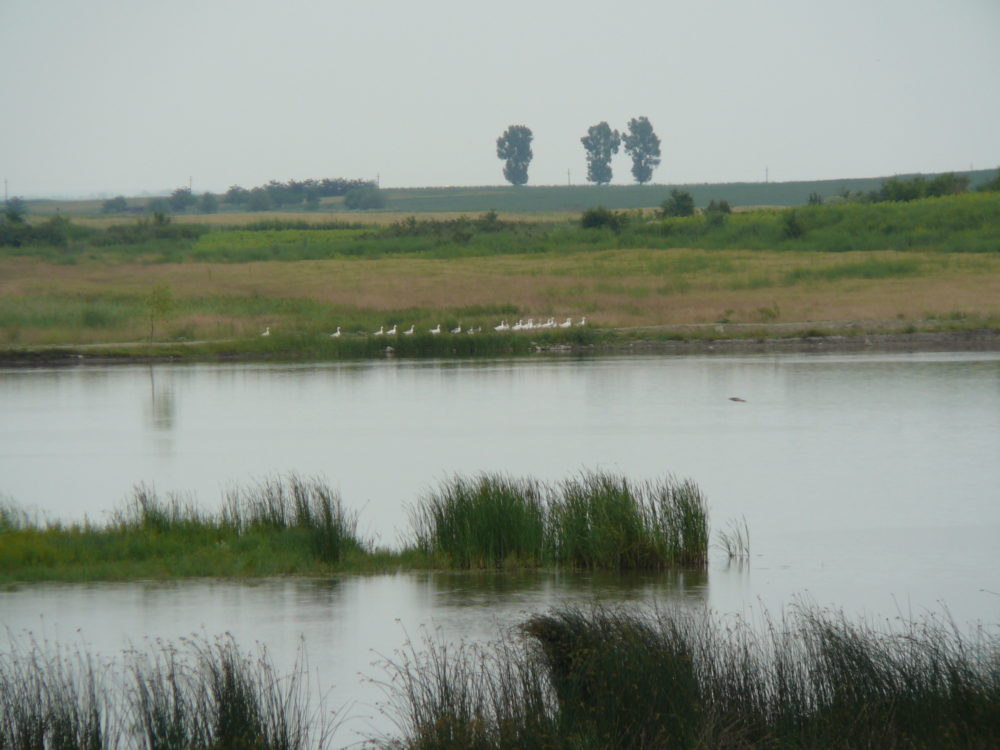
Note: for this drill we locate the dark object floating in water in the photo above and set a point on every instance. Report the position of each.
(737, 398)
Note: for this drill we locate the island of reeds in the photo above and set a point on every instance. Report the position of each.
(294, 525)
(569, 679)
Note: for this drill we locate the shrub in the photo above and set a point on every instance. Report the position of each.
(115, 205)
(364, 198)
(991, 185)
(791, 226)
(600, 217)
(680, 203)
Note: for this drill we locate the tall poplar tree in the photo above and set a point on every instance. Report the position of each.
(643, 146)
(600, 143)
(514, 147)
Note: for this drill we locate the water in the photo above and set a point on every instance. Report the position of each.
(869, 482)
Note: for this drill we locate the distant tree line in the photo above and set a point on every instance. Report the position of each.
(273, 195)
(292, 193)
(600, 144)
(901, 190)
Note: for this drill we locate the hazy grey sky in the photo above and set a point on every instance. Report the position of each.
(121, 96)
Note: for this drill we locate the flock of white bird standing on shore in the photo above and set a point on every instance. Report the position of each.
(501, 327)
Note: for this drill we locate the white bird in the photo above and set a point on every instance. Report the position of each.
(335, 334)
(436, 329)
(517, 326)
(458, 329)
(266, 332)
(391, 331)
(583, 321)
(566, 323)
(530, 324)
(502, 327)
(380, 331)
(408, 331)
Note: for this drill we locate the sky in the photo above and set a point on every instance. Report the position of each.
(107, 97)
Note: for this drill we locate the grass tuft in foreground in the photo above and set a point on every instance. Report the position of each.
(610, 679)
(201, 694)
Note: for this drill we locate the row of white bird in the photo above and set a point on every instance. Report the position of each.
(502, 326)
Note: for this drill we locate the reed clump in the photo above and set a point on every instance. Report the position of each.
(600, 520)
(603, 678)
(484, 521)
(595, 521)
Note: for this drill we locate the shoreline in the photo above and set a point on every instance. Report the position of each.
(811, 341)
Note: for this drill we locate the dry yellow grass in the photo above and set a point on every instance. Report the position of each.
(361, 218)
(624, 288)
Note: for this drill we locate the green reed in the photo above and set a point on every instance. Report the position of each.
(283, 525)
(290, 524)
(487, 520)
(199, 694)
(595, 521)
(616, 678)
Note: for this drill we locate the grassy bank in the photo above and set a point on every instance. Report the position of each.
(616, 679)
(299, 526)
(924, 265)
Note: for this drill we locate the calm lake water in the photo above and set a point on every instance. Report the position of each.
(869, 482)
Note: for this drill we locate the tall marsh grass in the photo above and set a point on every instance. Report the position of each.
(595, 521)
(291, 524)
(278, 526)
(484, 521)
(199, 694)
(612, 678)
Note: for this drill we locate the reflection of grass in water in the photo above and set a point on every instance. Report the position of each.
(202, 694)
(605, 678)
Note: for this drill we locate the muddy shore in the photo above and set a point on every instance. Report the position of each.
(917, 341)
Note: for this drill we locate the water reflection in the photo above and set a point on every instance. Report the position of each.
(162, 404)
